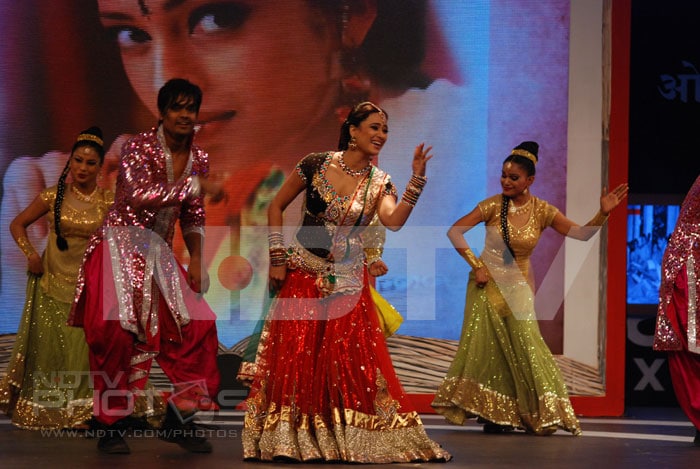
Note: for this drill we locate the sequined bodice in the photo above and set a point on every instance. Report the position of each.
(522, 239)
(332, 222)
(77, 225)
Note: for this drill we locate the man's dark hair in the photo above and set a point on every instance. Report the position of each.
(176, 89)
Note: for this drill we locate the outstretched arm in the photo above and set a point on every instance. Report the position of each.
(608, 201)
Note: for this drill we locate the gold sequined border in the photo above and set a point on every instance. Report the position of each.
(458, 399)
(352, 436)
(24, 413)
(692, 332)
(32, 416)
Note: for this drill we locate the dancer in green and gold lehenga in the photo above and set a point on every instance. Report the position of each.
(503, 373)
(47, 384)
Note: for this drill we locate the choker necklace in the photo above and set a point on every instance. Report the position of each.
(352, 172)
(517, 210)
(83, 197)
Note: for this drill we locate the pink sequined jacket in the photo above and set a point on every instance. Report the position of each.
(683, 249)
(139, 227)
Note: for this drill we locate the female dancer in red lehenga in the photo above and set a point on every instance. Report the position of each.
(324, 387)
(678, 319)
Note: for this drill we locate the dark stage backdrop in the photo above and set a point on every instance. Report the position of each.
(664, 161)
(664, 99)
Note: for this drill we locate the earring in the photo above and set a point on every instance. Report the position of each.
(352, 144)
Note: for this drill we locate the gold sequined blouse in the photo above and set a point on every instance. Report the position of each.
(77, 225)
(523, 240)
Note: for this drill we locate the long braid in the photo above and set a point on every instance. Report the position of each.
(60, 192)
(508, 253)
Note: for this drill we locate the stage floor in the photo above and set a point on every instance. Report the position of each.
(643, 438)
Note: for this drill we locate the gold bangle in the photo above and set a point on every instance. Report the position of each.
(599, 219)
(471, 259)
(26, 246)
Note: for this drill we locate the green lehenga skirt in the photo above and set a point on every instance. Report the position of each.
(503, 370)
(47, 381)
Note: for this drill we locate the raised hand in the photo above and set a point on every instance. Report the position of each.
(608, 201)
(420, 157)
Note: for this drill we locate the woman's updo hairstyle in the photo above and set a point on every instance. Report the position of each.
(357, 114)
(92, 138)
(524, 155)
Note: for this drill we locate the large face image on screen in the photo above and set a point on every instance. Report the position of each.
(472, 79)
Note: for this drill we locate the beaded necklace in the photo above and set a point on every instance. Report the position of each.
(352, 172)
(83, 197)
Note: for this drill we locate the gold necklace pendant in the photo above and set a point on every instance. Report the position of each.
(83, 197)
(517, 210)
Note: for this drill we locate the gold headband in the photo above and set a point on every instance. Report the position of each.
(90, 137)
(525, 154)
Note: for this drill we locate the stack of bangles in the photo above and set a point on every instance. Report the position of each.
(278, 254)
(413, 190)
